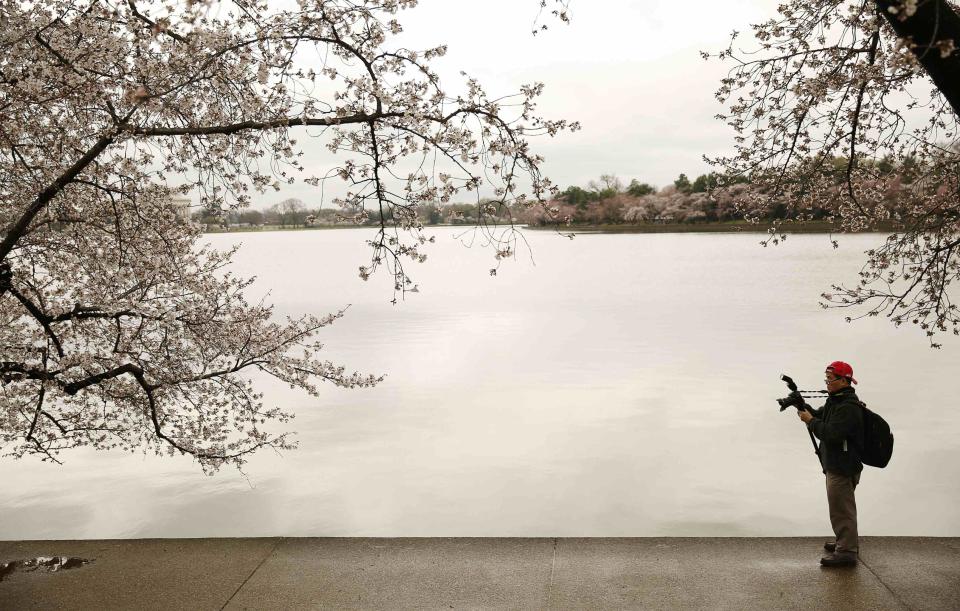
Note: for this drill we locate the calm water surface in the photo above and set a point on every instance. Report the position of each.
(623, 385)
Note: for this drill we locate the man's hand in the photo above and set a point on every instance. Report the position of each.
(805, 415)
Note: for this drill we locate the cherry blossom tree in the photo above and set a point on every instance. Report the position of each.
(835, 117)
(119, 329)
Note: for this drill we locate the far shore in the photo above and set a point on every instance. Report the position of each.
(701, 227)
(717, 227)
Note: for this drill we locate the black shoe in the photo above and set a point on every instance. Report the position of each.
(830, 547)
(839, 559)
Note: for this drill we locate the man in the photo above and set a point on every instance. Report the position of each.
(839, 426)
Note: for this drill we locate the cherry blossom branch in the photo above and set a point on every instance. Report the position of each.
(855, 123)
(36, 414)
(42, 318)
(30, 373)
(16, 230)
(154, 26)
(934, 25)
(74, 387)
(201, 455)
(261, 125)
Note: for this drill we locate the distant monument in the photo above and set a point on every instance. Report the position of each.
(182, 205)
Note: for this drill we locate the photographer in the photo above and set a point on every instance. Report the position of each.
(839, 426)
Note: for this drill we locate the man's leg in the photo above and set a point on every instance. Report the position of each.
(843, 510)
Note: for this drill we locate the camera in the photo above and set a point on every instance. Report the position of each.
(794, 399)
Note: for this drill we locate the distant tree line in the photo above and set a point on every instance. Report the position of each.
(607, 201)
(708, 198)
(715, 197)
(288, 213)
(294, 213)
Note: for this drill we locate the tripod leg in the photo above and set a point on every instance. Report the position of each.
(816, 448)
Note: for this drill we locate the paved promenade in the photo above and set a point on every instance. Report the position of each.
(649, 573)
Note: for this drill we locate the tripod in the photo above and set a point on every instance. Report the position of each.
(796, 399)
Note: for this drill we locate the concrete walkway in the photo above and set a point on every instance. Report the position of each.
(648, 573)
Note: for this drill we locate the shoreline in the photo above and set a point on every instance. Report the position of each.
(720, 227)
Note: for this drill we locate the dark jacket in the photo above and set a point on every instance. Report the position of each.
(839, 427)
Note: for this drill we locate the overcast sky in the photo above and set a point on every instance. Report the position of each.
(628, 70)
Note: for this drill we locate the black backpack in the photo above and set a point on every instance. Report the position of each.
(877, 439)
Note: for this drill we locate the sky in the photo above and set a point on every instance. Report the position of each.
(629, 71)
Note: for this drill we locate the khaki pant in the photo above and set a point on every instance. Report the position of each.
(843, 510)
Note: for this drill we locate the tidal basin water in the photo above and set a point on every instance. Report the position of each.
(624, 385)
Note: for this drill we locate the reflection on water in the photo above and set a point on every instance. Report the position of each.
(622, 386)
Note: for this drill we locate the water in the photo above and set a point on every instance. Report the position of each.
(622, 386)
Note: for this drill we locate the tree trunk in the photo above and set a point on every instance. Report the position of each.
(934, 21)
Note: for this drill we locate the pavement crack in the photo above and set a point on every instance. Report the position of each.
(257, 568)
(884, 584)
(553, 566)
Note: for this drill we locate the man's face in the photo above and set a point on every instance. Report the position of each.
(833, 382)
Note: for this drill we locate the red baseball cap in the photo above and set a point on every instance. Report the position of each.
(841, 370)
